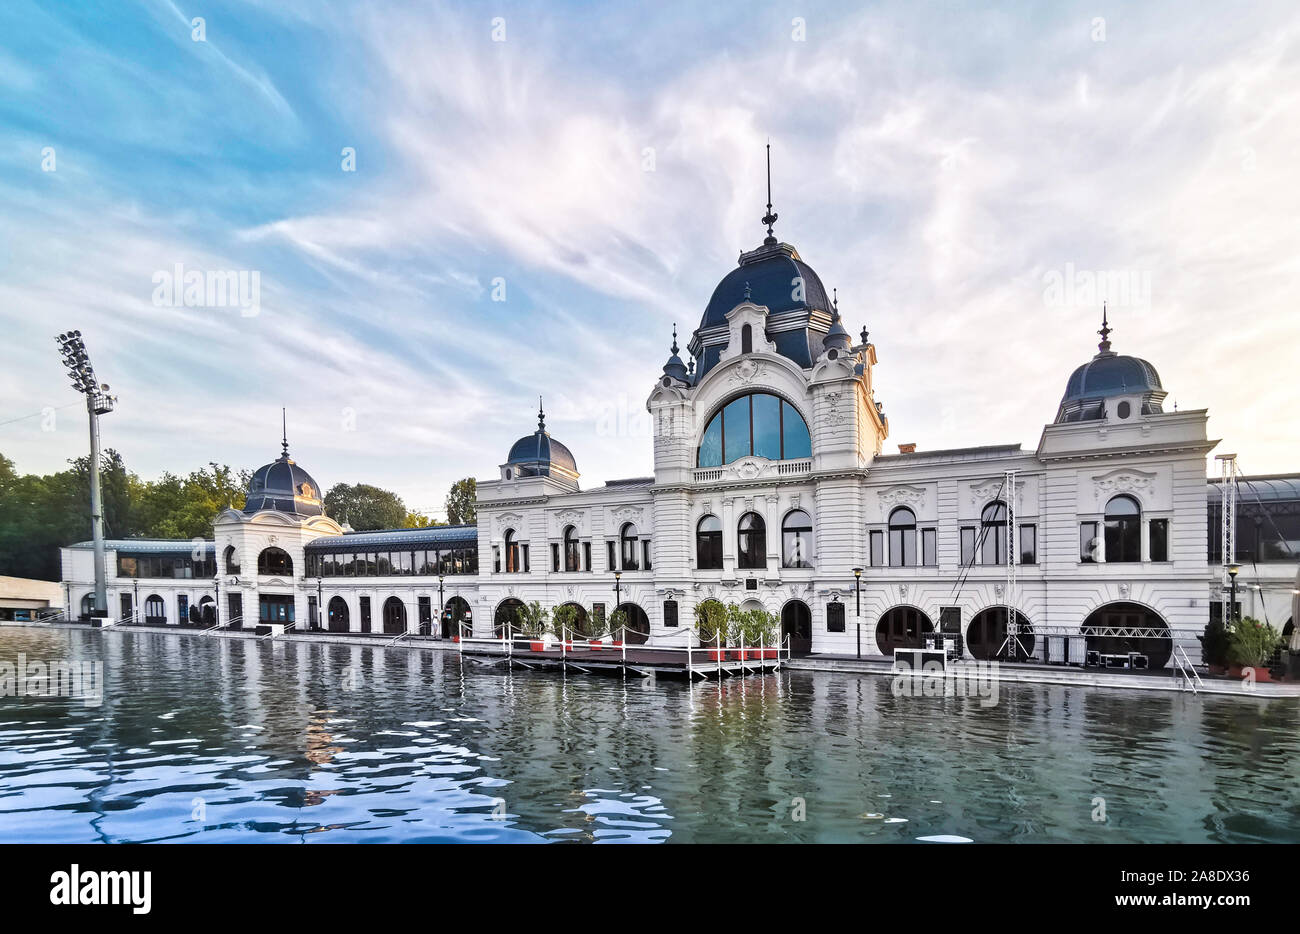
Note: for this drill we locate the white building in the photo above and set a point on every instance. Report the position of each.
(771, 486)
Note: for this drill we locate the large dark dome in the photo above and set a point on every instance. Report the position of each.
(1105, 375)
(538, 454)
(284, 487)
(767, 276)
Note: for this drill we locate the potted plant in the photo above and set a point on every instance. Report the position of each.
(740, 625)
(565, 620)
(617, 624)
(711, 627)
(1214, 646)
(595, 630)
(533, 623)
(1251, 644)
(768, 633)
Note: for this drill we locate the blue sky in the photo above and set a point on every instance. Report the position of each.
(938, 165)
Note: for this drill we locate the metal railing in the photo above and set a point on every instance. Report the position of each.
(230, 622)
(1185, 671)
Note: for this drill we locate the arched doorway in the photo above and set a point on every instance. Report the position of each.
(506, 620)
(339, 617)
(207, 611)
(987, 634)
(580, 618)
(454, 613)
(88, 604)
(1130, 616)
(796, 626)
(394, 616)
(638, 624)
(902, 627)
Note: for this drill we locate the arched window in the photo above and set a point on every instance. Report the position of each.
(88, 604)
(902, 538)
(797, 540)
(155, 610)
(758, 424)
(274, 561)
(394, 616)
(231, 560)
(746, 339)
(338, 615)
(1123, 530)
(708, 544)
(572, 555)
(512, 552)
(752, 541)
(627, 540)
(993, 530)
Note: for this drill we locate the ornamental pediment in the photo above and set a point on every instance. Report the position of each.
(901, 495)
(1123, 480)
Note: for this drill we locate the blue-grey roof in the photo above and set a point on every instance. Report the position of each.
(150, 546)
(768, 274)
(1110, 374)
(540, 451)
(434, 536)
(285, 487)
(1271, 488)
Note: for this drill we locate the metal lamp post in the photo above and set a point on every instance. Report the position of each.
(857, 600)
(441, 604)
(1233, 615)
(98, 402)
(320, 604)
(216, 606)
(618, 599)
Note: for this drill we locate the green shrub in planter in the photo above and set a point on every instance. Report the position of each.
(565, 618)
(533, 620)
(711, 622)
(1214, 643)
(618, 625)
(1252, 643)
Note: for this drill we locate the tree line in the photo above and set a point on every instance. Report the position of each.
(39, 514)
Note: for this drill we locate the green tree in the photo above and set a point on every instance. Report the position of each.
(418, 520)
(365, 507)
(460, 502)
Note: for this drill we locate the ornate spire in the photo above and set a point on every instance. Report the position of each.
(746, 290)
(674, 347)
(284, 434)
(769, 218)
(1104, 346)
(835, 299)
(541, 415)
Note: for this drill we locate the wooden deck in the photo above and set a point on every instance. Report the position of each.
(642, 660)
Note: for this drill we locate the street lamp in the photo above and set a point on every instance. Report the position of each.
(98, 402)
(216, 606)
(441, 604)
(1233, 570)
(618, 599)
(320, 604)
(857, 599)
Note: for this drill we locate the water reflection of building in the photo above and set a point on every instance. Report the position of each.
(771, 484)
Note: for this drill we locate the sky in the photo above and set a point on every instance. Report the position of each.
(451, 209)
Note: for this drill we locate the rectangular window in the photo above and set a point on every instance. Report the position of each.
(1159, 539)
(902, 548)
(930, 548)
(610, 564)
(670, 613)
(365, 614)
(1028, 544)
(182, 609)
(496, 559)
(1088, 542)
(967, 546)
(735, 430)
(127, 567)
(312, 619)
(525, 559)
(426, 616)
(767, 426)
(835, 617)
(877, 539)
(645, 554)
(586, 556)
(555, 557)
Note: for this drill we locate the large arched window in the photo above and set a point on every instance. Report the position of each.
(993, 530)
(797, 540)
(758, 424)
(274, 561)
(512, 552)
(752, 541)
(627, 540)
(572, 554)
(231, 560)
(338, 615)
(708, 544)
(1123, 530)
(155, 609)
(902, 538)
(394, 616)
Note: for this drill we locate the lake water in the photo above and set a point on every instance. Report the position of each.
(225, 740)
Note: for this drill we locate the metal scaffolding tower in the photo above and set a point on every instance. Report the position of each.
(1227, 523)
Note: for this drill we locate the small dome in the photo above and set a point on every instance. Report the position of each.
(1109, 374)
(539, 455)
(674, 367)
(837, 338)
(285, 487)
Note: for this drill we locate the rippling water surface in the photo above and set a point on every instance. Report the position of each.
(223, 740)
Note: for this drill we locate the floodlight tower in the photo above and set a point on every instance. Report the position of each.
(98, 402)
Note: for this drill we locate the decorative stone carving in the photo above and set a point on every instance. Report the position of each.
(746, 469)
(569, 516)
(1125, 589)
(902, 591)
(1122, 481)
(834, 414)
(745, 372)
(982, 493)
(508, 520)
(901, 496)
(627, 513)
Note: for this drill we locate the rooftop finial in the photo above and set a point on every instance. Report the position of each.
(674, 338)
(1104, 346)
(541, 415)
(769, 218)
(747, 291)
(864, 335)
(284, 433)
(835, 293)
